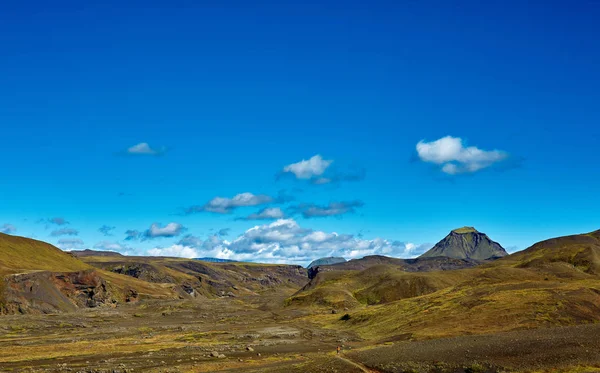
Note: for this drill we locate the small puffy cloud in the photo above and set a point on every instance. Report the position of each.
(266, 214)
(64, 232)
(69, 244)
(174, 251)
(144, 148)
(223, 205)
(169, 230)
(155, 231)
(109, 246)
(223, 232)
(415, 250)
(8, 228)
(450, 153)
(319, 171)
(332, 209)
(284, 241)
(106, 230)
(309, 168)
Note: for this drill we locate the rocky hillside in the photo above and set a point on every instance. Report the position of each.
(36, 277)
(466, 243)
(408, 265)
(192, 277)
(553, 283)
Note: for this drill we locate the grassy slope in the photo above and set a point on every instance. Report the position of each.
(19, 254)
(554, 282)
(239, 277)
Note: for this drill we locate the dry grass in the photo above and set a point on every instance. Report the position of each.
(18, 254)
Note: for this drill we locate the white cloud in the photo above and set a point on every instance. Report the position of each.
(284, 241)
(307, 169)
(175, 250)
(455, 158)
(144, 148)
(450, 169)
(169, 230)
(267, 213)
(223, 205)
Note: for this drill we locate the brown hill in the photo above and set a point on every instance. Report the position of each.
(199, 278)
(36, 277)
(554, 282)
(409, 265)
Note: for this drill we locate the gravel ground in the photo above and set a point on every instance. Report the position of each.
(537, 349)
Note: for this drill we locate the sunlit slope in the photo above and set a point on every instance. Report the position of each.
(19, 254)
(554, 282)
(36, 277)
(581, 252)
(204, 278)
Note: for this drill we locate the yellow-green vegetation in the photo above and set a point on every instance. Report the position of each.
(120, 284)
(552, 284)
(19, 254)
(465, 230)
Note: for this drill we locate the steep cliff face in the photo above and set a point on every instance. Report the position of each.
(466, 243)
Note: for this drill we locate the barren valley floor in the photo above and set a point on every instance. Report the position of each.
(256, 334)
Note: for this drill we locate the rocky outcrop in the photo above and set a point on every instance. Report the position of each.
(142, 271)
(50, 292)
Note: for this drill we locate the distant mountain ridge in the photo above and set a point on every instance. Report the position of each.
(326, 261)
(216, 260)
(88, 252)
(466, 243)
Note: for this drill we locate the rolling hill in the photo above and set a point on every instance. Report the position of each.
(19, 254)
(552, 283)
(36, 277)
(201, 278)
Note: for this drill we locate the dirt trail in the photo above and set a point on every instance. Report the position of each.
(356, 364)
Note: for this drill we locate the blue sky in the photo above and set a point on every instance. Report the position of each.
(228, 94)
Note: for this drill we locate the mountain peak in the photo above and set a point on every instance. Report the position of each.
(467, 243)
(464, 230)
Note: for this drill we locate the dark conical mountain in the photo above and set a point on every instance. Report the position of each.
(467, 243)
